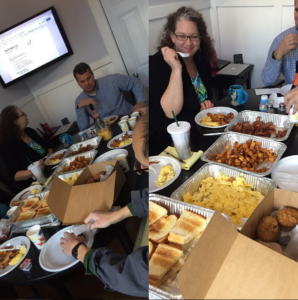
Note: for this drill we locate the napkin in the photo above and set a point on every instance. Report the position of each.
(188, 162)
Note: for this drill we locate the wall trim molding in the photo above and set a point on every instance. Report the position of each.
(226, 3)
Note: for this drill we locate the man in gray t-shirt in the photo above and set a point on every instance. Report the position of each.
(105, 94)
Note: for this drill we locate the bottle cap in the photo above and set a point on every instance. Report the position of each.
(264, 97)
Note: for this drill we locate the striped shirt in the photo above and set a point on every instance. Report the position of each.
(109, 98)
(286, 65)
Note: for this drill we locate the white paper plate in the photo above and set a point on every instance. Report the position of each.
(29, 189)
(157, 167)
(110, 117)
(287, 165)
(214, 110)
(19, 240)
(51, 257)
(52, 156)
(117, 137)
(110, 155)
(285, 89)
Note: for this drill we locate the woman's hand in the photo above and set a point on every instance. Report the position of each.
(42, 164)
(206, 104)
(171, 58)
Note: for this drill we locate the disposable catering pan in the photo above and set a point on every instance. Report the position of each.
(94, 142)
(281, 122)
(170, 289)
(31, 222)
(228, 139)
(67, 160)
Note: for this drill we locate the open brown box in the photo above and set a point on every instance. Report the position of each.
(226, 264)
(72, 204)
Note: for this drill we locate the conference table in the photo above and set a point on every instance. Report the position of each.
(37, 274)
(200, 142)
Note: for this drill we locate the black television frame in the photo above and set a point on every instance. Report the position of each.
(64, 37)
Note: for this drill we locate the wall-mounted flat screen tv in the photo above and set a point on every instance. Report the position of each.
(31, 46)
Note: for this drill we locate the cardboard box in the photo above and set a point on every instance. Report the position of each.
(72, 204)
(226, 264)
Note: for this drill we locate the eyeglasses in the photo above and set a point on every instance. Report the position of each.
(183, 37)
(23, 114)
(138, 169)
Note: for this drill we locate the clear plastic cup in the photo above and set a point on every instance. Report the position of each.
(37, 172)
(181, 138)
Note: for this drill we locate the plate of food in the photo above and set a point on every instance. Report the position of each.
(163, 171)
(110, 155)
(24, 194)
(51, 257)
(111, 119)
(121, 141)
(55, 158)
(215, 117)
(10, 259)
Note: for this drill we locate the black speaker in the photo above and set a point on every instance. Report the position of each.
(238, 59)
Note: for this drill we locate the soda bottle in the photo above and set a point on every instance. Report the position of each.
(101, 127)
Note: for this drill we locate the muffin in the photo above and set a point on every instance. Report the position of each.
(287, 217)
(268, 229)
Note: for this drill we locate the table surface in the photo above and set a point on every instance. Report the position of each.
(103, 238)
(200, 142)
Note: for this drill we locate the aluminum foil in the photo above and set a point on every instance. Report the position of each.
(70, 174)
(31, 222)
(170, 288)
(228, 139)
(281, 122)
(93, 142)
(67, 160)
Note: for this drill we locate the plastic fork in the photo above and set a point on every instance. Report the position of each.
(17, 247)
(183, 54)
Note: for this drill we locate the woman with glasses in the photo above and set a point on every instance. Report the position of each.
(179, 84)
(19, 145)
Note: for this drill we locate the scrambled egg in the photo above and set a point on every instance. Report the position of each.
(236, 198)
(18, 257)
(35, 191)
(71, 180)
(53, 161)
(166, 174)
(123, 143)
(208, 121)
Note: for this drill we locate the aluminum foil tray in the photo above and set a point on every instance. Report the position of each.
(31, 222)
(93, 142)
(66, 161)
(170, 289)
(281, 122)
(70, 174)
(229, 138)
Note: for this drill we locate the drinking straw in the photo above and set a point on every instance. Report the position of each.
(30, 161)
(175, 118)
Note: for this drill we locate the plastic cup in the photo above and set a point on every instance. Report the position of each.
(181, 138)
(132, 122)
(135, 114)
(123, 162)
(123, 125)
(36, 236)
(37, 172)
(124, 118)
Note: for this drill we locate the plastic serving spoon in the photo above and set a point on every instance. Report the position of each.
(183, 54)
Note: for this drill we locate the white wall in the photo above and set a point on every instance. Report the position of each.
(236, 26)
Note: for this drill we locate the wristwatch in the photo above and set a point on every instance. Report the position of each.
(74, 251)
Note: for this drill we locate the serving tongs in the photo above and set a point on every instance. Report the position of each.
(215, 133)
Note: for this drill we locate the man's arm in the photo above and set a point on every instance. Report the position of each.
(82, 116)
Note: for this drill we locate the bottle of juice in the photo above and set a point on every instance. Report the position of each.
(101, 127)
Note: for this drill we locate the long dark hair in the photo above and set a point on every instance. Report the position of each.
(189, 14)
(8, 129)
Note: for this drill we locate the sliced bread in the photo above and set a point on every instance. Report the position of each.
(155, 212)
(159, 231)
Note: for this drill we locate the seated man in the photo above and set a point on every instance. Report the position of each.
(125, 274)
(105, 94)
(282, 55)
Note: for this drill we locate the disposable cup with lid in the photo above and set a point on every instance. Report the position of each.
(37, 172)
(181, 138)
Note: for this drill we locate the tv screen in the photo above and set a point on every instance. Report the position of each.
(32, 45)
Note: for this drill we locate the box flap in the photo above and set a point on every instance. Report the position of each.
(207, 257)
(285, 198)
(58, 197)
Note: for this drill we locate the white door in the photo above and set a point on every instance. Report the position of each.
(129, 21)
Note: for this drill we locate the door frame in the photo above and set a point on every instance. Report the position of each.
(107, 36)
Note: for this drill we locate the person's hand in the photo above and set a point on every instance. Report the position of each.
(69, 242)
(288, 43)
(143, 110)
(171, 58)
(86, 102)
(138, 106)
(42, 164)
(102, 219)
(291, 98)
(206, 104)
